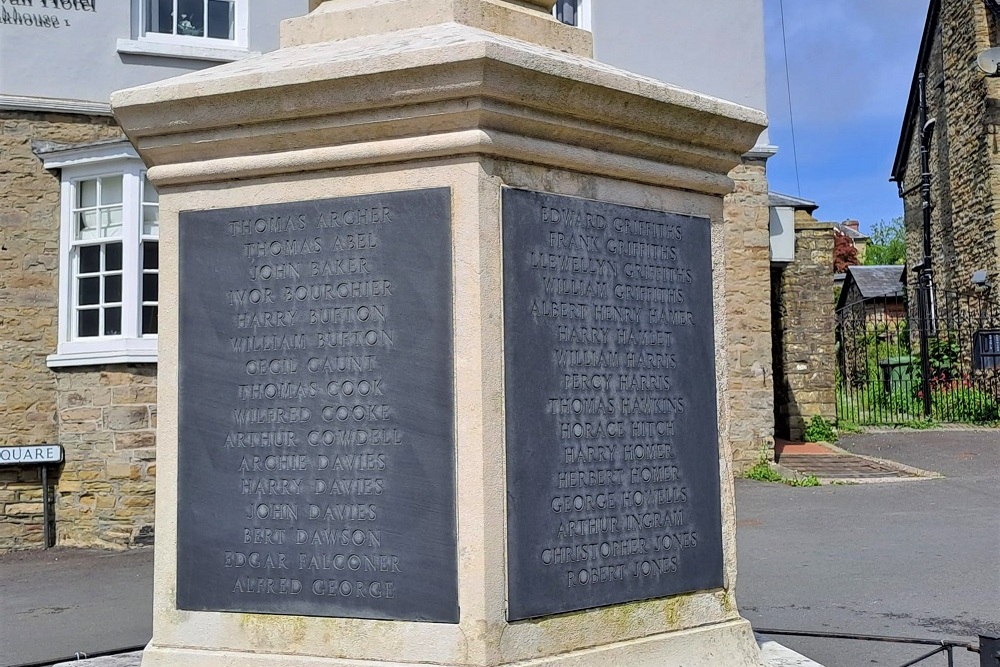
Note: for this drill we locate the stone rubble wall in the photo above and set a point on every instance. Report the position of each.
(108, 429)
(964, 159)
(21, 508)
(748, 292)
(102, 417)
(805, 358)
(29, 269)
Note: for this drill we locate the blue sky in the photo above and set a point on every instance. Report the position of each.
(850, 64)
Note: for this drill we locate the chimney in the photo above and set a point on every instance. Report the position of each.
(853, 224)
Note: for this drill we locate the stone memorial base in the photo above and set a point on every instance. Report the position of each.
(726, 644)
(358, 127)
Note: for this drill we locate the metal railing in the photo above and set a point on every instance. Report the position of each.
(988, 647)
(894, 367)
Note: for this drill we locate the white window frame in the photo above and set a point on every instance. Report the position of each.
(583, 14)
(190, 46)
(131, 346)
(584, 19)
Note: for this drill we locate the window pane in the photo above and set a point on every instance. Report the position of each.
(150, 220)
(113, 257)
(150, 255)
(87, 194)
(112, 321)
(191, 21)
(88, 323)
(159, 16)
(220, 19)
(149, 319)
(86, 225)
(111, 190)
(113, 289)
(149, 194)
(150, 287)
(90, 291)
(111, 222)
(90, 258)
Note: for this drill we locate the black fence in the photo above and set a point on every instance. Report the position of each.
(941, 364)
(988, 647)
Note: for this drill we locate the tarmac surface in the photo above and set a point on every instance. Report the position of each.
(916, 558)
(912, 558)
(56, 603)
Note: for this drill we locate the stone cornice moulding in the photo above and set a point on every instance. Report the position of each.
(278, 107)
(430, 121)
(466, 143)
(52, 105)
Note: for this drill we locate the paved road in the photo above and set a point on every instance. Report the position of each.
(918, 559)
(906, 558)
(57, 602)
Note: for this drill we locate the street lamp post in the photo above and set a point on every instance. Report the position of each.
(925, 281)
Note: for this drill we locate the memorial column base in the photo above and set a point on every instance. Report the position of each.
(511, 214)
(731, 644)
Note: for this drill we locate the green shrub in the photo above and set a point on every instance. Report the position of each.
(965, 404)
(844, 426)
(820, 430)
(808, 480)
(762, 472)
(903, 402)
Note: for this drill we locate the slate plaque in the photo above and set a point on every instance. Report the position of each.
(612, 434)
(316, 433)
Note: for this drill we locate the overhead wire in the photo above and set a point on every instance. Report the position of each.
(788, 91)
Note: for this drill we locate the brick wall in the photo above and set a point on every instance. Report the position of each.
(748, 292)
(804, 320)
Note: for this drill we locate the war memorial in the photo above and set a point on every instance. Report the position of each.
(442, 315)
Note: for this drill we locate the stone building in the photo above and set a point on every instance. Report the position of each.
(859, 239)
(965, 171)
(78, 249)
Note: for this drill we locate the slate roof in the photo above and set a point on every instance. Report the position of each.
(874, 281)
(849, 232)
(778, 199)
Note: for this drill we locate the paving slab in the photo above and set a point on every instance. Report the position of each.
(830, 463)
(133, 659)
(843, 467)
(774, 654)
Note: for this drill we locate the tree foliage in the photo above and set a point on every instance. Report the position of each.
(844, 253)
(888, 243)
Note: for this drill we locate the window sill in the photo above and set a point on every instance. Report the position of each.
(139, 351)
(186, 51)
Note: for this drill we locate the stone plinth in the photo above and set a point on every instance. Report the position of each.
(426, 108)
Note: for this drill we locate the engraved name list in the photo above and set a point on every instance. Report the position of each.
(316, 445)
(613, 478)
